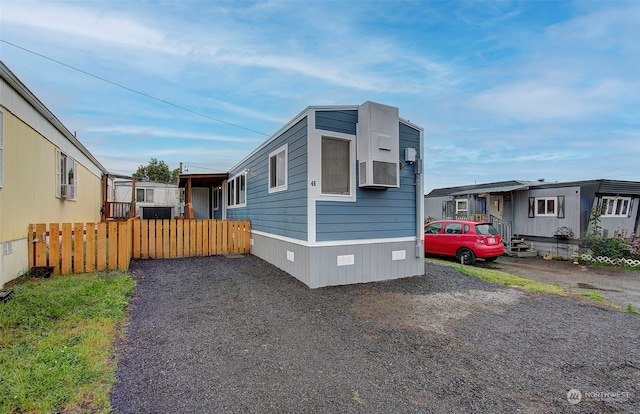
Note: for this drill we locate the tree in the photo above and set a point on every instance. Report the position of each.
(157, 171)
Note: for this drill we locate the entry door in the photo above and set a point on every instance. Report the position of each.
(200, 201)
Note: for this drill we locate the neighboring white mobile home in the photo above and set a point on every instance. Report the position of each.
(153, 200)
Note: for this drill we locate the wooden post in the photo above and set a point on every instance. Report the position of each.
(90, 247)
(123, 245)
(78, 247)
(173, 238)
(166, 252)
(187, 200)
(112, 262)
(54, 247)
(180, 238)
(66, 248)
(102, 246)
(105, 189)
(132, 207)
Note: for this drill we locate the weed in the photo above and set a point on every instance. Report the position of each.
(594, 295)
(356, 397)
(632, 309)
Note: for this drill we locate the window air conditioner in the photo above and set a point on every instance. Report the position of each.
(66, 191)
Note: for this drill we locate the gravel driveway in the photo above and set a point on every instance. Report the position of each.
(218, 334)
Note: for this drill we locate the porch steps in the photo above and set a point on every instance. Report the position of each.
(520, 248)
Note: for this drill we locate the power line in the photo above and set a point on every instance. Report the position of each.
(133, 90)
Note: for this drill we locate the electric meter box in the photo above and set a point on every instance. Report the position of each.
(378, 146)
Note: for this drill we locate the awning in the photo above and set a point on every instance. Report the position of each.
(493, 190)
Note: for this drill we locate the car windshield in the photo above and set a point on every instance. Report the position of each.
(485, 229)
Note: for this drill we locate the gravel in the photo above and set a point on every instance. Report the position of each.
(223, 334)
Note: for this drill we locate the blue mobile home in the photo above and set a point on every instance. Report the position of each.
(335, 197)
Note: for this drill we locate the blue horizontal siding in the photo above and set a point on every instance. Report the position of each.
(337, 121)
(283, 213)
(376, 214)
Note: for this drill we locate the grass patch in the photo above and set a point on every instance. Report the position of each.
(632, 309)
(503, 278)
(57, 347)
(594, 295)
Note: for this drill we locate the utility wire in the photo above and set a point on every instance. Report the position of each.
(133, 90)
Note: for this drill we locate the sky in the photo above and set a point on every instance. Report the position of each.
(505, 90)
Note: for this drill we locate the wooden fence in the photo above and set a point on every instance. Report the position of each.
(84, 247)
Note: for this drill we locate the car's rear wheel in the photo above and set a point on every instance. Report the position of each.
(466, 256)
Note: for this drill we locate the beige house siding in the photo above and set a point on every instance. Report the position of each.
(32, 137)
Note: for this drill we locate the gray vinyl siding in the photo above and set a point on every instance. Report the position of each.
(282, 213)
(376, 213)
(337, 121)
(546, 226)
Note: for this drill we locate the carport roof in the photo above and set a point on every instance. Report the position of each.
(202, 180)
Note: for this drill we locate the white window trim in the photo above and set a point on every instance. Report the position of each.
(617, 200)
(555, 207)
(283, 187)
(216, 198)
(460, 201)
(59, 180)
(145, 198)
(352, 169)
(233, 183)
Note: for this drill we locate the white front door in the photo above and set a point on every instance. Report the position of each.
(200, 201)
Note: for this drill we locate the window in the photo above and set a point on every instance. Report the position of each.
(278, 170)
(453, 228)
(1, 149)
(336, 166)
(237, 191)
(216, 198)
(615, 206)
(462, 207)
(546, 206)
(144, 195)
(66, 176)
(433, 228)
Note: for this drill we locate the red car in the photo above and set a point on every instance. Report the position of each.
(462, 239)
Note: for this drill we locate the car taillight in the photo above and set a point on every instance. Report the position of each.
(480, 240)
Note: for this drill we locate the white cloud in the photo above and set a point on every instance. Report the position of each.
(165, 133)
(85, 23)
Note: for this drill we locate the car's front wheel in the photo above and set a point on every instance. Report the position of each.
(466, 256)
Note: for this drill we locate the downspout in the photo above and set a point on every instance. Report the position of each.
(417, 167)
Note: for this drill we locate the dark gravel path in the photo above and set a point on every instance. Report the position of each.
(221, 334)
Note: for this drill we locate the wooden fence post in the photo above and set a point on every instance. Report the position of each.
(66, 248)
(112, 236)
(123, 245)
(90, 247)
(78, 248)
(102, 246)
(54, 247)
